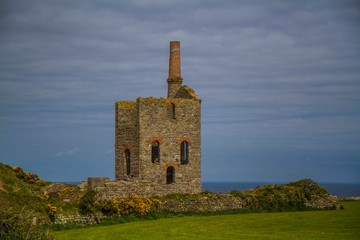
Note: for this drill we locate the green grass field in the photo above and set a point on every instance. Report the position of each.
(344, 224)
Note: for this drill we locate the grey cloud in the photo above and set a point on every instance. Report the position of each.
(67, 152)
(270, 73)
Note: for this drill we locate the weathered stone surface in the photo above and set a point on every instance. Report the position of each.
(54, 188)
(218, 202)
(92, 182)
(114, 189)
(323, 202)
(355, 198)
(77, 219)
(221, 202)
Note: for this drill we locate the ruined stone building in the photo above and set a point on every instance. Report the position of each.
(158, 141)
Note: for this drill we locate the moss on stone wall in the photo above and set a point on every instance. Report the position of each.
(127, 105)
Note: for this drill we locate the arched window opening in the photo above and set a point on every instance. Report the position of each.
(128, 162)
(173, 110)
(155, 152)
(170, 175)
(184, 152)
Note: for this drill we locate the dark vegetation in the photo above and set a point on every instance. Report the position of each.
(19, 189)
(29, 206)
(293, 196)
(21, 205)
(21, 225)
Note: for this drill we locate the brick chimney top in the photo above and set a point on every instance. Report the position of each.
(174, 61)
(174, 80)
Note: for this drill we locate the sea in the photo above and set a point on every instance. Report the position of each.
(338, 189)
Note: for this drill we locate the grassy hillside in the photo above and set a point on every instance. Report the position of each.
(22, 191)
(21, 205)
(19, 191)
(344, 224)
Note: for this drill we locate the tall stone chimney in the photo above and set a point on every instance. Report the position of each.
(174, 80)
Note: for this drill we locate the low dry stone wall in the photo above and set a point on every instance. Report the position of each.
(205, 204)
(323, 202)
(77, 219)
(223, 202)
(355, 198)
(218, 202)
(292, 196)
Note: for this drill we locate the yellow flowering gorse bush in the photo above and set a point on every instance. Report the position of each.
(51, 209)
(133, 204)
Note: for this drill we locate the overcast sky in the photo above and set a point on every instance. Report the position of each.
(279, 83)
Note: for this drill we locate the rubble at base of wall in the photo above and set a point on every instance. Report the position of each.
(355, 198)
(323, 202)
(77, 219)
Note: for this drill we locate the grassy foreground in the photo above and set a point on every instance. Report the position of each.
(344, 224)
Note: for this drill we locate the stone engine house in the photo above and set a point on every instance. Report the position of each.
(158, 140)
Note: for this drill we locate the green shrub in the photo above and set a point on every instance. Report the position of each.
(87, 205)
(236, 193)
(307, 187)
(108, 208)
(291, 196)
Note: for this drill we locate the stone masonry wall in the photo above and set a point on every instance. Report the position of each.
(92, 182)
(156, 122)
(169, 121)
(126, 137)
(115, 189)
